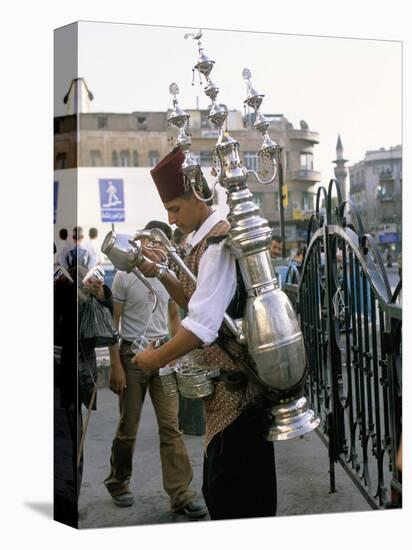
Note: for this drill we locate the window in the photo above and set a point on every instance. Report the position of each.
(115, 159)
(204, 121)
(306, 161)
(206, 158)
(141, 123)
(258, 198)
(61, 161)
(153, 158)
(307, 201)
(124, 158)
(251, 161)
(135, 158)
(95, 158)
(102, 121)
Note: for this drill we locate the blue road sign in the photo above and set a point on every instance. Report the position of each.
(55, 198)
(387, 238)
(112, 200)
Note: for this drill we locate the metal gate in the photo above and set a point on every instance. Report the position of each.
(352, 321)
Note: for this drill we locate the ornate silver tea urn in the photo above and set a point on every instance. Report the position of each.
(269, 328)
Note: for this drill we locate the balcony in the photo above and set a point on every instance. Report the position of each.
(306, 135)
(303, 175)
(385, 192)
(386, 175)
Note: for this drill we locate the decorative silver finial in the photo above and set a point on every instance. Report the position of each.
(174, 88)
(246, 73)
(196, 36)
(269, 150)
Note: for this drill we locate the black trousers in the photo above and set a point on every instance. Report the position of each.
(239, 472)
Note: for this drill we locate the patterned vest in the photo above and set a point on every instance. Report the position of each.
(225, 404)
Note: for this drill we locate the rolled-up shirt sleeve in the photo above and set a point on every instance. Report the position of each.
(215, 288)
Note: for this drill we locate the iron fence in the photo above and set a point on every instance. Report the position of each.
(351, 321)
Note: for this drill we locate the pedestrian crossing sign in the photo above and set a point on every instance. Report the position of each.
(112, 200)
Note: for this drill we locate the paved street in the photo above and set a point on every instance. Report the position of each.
(302, 470)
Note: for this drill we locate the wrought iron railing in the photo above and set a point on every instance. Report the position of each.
(351, 320)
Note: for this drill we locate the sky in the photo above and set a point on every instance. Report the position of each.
(345, 86)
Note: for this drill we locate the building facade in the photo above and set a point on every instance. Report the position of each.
(376, 190)
(141, 139)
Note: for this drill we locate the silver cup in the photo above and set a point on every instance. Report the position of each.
(168, 380)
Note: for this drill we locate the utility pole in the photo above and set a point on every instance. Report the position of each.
(281, 213)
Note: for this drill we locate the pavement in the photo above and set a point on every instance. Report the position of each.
(302, 472)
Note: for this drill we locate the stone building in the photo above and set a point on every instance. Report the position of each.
(141, 139)
(376, 190)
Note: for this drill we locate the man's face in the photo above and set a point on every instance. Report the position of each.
(184, 213)
(275, 249)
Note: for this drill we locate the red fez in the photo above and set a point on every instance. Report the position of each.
(168, 176)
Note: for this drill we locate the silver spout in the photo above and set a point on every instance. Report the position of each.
(140, 276)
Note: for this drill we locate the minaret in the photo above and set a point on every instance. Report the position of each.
(78, 97)
(341, 172)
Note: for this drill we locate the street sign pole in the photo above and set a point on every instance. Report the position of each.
(280, 184)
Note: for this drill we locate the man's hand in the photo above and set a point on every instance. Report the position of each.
(148, 268)
(155, 254)
(147, 359)
(96, 288)
(117, 381)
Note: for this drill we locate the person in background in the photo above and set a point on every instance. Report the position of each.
(76, 376)
(93, 247)
(280, 264)
(389, 258)
(133, 313)
(276, 247)
(62, 245)
(78, 253)
(298, 257)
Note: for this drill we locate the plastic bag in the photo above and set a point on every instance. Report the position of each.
(95, 324)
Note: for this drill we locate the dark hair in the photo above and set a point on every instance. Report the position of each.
(63, 234)
(77, 233)
(167, 230)
(277, 238)
(92, 233)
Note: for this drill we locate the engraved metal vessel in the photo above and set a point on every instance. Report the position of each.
(194, 379)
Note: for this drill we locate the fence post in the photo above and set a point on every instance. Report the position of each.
(335, 417)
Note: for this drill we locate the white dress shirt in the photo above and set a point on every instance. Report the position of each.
(215, 287)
